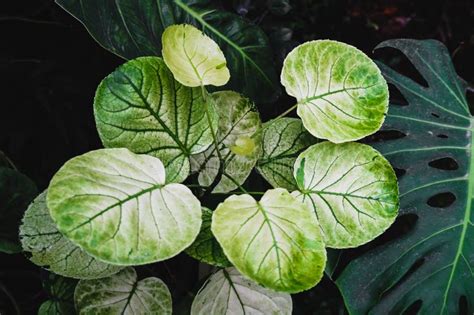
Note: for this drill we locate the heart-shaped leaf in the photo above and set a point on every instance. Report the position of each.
(275, 241)
(116, 206)
(351, 188)
(61, 296)
(51, 250)
(341, 93)
(141, 107)
(123, 294)
(228, 292)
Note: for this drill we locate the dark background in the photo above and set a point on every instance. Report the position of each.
(50, 68)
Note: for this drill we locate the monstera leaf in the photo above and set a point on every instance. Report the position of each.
(116, 206)
(341, 93)
(50, 249)
(140, 106)
(432, 264)
(123, 293)
(61, 296)
(228, 292)
(132, 28)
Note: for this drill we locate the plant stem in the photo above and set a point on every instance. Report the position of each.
(236, 183)
(286, 112)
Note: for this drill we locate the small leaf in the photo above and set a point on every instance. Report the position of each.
(123, 294)
(341, 93)
(116, 206)
(276, 241)
(228, 292)
(206, 248)
(351, 188)
(193, 57)
(283, 140)
(141, 107)
(51, 250)
(61, 296)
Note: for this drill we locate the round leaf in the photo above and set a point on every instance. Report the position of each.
(352, 189)
(123, 294)
(341, 93)
(115, 205)
(276, 241)
(51, 250)
(193, 57)
(228, 292)
(141, 107)
(61, 293)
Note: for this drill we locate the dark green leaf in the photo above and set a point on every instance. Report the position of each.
(61, 296)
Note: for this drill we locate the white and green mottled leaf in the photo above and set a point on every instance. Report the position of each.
(61, 296)
(283, 140)
(342, 96)
(275, 241)
(117, 206)
(51, 250)
(206, 248)
(193, 57)
(123, 294)
(140, 106)
(239, 140)
(228, 292)
(351, 188)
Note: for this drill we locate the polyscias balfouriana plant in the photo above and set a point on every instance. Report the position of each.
(130, 204)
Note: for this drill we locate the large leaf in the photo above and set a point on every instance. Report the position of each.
(116, 206)
(16, 192)
(61, 296)
(341, 93)
(275, 241)
(132, 28)
(239, 141)
(228, 292)
(351, 188)
(123, 294)
(51, 250)
(283, 140)
(432, 262)
(141, 107)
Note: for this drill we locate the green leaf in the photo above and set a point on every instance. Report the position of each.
(116, 206)
(228, 292)
(239, 138)
(283, 140)
(206, 248)
(194, 58)
(275, 242)
(16, 192)
(51, 250)
(141, 107)
(61, 296)
(123, 294)
(131, 29)
(341, 93)
(351, 188)
(433, 260)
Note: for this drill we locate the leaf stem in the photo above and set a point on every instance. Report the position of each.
(236, 183)
(286, 112)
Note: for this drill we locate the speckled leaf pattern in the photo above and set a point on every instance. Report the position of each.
(206, 248)
(193, 57)
(50, 249)
(123, 294)
(239, 138)
(61, 293)
(140, 106)
(352, 190)
(116, 206)
(341, 93)
(227, 292)
(283, 140)
(275, 241)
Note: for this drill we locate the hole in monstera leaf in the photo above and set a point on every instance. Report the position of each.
(441, 200)
(418, 263)
(442, 136)
(435, 115)
(383, 135)
(463, 306)
(413, 308)
(396, 97)
(399, 172)
(446, 163)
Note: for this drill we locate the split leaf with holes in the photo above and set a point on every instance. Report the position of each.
(341, 93)
(228, 292)
(275, 241)
(123, 293)
(61, 296)
(117, 206)
(432, 263)
(50, 249)
(141, 106)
